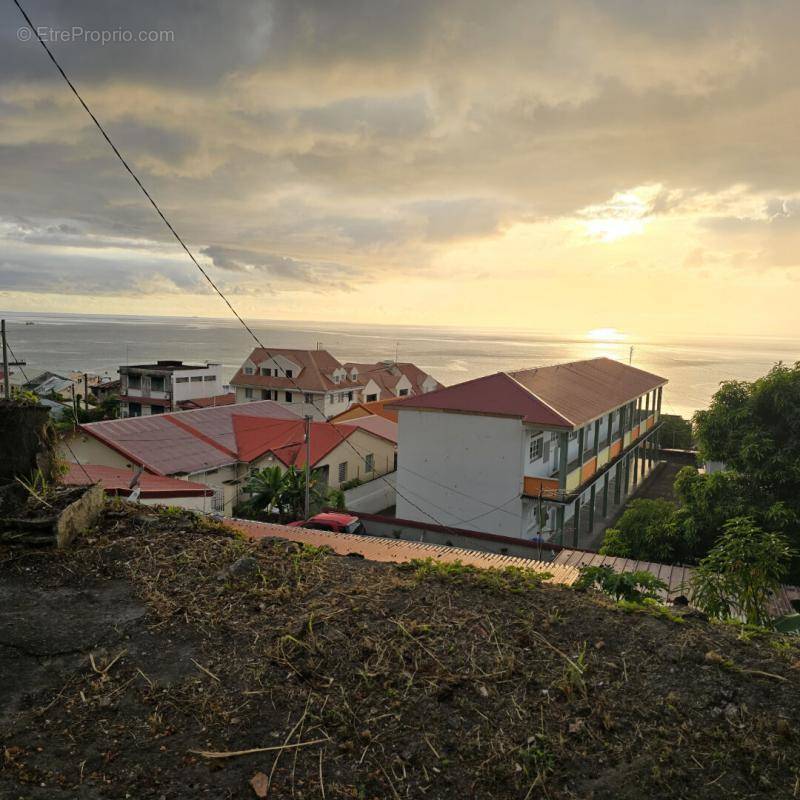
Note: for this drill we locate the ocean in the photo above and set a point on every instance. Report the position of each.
(98, 343)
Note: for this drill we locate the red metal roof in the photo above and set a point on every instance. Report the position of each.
(286, 439)
(379, 426)
(208, 402)
(494, 395)
(561, 396)
(118, 481)
(377, 407)
(184, 441)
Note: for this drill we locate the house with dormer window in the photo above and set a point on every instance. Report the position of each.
(308, 382)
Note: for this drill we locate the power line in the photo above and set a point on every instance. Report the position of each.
(172, 229)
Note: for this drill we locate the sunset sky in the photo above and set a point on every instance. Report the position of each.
(559, 166)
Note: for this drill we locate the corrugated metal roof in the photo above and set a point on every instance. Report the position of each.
(118, 481)
(380, 426)
(316, 367)
(376, 548)
(562, 396)
(184, 441)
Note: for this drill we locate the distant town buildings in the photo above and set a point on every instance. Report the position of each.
(314, 383)
(526, 453)
(147, 389)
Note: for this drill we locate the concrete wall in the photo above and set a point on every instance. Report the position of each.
(372, 497)
(88, 450)
(461, 470)
(190, 389)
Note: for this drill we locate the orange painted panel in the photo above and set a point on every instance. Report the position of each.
(635, 433)
(616, 448)
(649, 423)
(532, 486)
(589, 469)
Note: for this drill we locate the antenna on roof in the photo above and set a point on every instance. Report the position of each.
(396, 349)
(630, 355)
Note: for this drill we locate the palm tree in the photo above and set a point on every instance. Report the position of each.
(266, 489)
(294, 493)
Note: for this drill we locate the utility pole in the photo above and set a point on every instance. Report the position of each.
(7, 363)
(308, 467)
(85, 391)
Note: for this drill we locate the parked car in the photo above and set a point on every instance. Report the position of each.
(331, 521)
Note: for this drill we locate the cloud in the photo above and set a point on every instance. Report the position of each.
(307, 144)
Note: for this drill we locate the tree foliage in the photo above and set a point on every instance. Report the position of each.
(754, 429)
(741, 573)
(273, 490)
(676, 432)
(645, 532)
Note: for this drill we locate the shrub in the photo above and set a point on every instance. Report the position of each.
(634, 586)
(645, 532)
(741, 573)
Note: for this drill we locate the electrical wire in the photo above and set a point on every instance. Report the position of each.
(172, 230)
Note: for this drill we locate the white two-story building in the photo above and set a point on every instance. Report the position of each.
(533, 453)
(147, 389)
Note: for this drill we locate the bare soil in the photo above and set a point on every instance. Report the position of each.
(128, 659)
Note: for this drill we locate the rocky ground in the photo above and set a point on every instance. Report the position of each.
(166, 658)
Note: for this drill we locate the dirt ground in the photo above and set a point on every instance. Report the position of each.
(132, 661)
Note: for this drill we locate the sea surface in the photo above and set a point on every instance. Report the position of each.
(100, 344)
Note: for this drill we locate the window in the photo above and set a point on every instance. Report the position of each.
(308, 398)
(157, 383)
(266, 372)
(371, 398)
(330, 398)
(573, 435)
(350, 396)
(289, 373)
(343, 472)
(369, 462)
(248, 393)
(181, 380)
(248, 370)
(134, 381)
(403, 392)
(288, 397)
(265, 394)
(209, 377)
(197, 378)
(156, 410)
(535, 450)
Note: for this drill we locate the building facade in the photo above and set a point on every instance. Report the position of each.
(308, 382)
(147, 389)
(386, 380)
(533, 454)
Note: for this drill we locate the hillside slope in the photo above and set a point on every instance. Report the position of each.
(126, 657)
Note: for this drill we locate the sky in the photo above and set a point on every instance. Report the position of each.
(560, 166)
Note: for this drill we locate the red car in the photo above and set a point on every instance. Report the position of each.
(331, 521)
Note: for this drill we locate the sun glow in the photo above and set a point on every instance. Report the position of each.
(606, 335)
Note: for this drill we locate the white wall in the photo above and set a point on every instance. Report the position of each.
(457, 468)
(193, 389)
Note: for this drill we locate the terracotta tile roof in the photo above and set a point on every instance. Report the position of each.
(562, 396)
(372, 423)
(208, 402)
(183, 441)
(286, 439)
(316, 367)
(118, 482)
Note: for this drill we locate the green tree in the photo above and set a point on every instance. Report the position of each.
(646, 532)
(754, 428)
(676, 432)
(266, 489)
(294, 492)
(741, 573)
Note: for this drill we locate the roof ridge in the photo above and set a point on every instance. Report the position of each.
(201, 436)
(543, 402)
